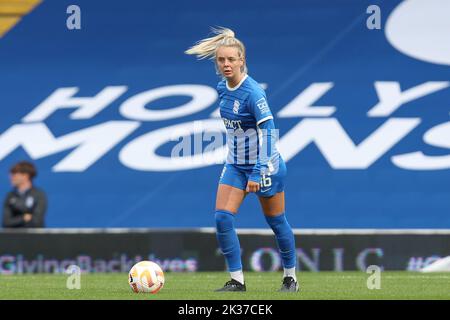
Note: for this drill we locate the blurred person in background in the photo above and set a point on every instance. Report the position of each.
(25, 206)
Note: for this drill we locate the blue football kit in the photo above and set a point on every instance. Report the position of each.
(252, 155)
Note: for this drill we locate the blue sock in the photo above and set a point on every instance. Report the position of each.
(228, 240)
(285, 239)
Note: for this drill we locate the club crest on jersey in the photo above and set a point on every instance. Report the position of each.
(236, 106)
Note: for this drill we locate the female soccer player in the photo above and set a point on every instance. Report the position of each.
(253, 162)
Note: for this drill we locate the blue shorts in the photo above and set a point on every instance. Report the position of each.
(237, 176)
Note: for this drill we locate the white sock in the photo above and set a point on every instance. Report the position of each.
(238, 276)
(290, 272)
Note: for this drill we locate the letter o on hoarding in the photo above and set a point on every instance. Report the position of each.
(140, 153)
(202, 97)
(255, 260)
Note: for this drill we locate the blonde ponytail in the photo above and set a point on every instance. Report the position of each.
(206, 48)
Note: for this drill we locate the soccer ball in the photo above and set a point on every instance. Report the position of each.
(146, 277)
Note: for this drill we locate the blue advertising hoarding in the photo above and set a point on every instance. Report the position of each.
(363, 112)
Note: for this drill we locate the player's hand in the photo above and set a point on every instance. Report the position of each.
(252, 186)
(27, 217)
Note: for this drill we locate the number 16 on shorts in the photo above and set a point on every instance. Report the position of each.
(266, 181)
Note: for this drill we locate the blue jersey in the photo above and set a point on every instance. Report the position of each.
(242, 109)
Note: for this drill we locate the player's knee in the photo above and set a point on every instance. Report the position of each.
(279, 224)
(224, 220)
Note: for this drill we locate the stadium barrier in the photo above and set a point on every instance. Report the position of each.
(190, 250)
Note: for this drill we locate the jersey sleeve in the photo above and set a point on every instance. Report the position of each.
(39, 210)
(259, 107)
(268, 154)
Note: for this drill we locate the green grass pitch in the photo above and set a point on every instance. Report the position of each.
(260, 286)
